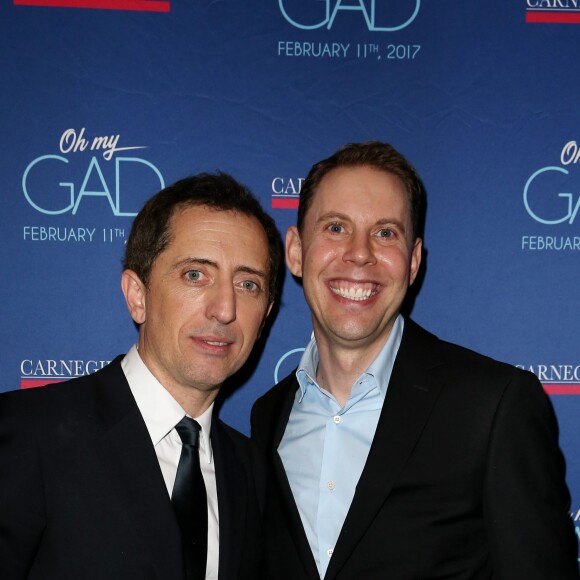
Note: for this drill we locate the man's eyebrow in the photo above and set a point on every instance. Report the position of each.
(336, 215)
(194, 261)
(333, 215)
(253, 271)
(392, 221)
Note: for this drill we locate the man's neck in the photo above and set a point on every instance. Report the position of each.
(193, 401)
(338, 368)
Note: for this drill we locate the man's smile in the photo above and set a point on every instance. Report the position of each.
(356, 291)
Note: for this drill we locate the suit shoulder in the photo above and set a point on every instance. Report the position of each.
(272, 409)
(44, 397)
(54, 399)
(230, 440)
(234, 435)
(463, 356)
(230, 444)
(278, 392)
(469, 364)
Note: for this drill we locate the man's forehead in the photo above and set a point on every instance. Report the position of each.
(202, 214)
(193, 210)
(358, 178)
(198, 234)
(348, 172)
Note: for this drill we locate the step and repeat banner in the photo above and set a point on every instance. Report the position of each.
(104, 102)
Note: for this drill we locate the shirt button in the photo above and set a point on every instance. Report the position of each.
(330, 485)
(329, 552)
(337, 419)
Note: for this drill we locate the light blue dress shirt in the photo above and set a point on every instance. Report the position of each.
(325, 446)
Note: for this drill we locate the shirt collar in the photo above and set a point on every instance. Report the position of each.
(204, 421)
(380, 369)
(306, 371)
(160, 411)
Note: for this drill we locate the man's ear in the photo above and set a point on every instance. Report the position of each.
(268, 310)
(134, 292)
(416, 253)
(294, 251)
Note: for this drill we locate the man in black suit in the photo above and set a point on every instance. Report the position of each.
(393, 454)
(89, 469)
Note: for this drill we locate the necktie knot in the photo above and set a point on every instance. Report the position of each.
(188, 430)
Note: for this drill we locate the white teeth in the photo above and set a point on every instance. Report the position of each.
(217, 343)
(353, 293)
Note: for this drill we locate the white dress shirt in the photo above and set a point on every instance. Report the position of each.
(325, 445)
(161, 412)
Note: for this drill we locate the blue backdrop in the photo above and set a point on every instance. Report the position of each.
(105, 101)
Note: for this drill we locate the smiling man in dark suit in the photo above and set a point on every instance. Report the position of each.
(95, 482)
(393, 454)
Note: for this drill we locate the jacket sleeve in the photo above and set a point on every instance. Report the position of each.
(526, 502)
(22, 506)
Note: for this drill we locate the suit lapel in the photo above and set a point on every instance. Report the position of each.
(413, 389)
(133, 470)
(290, 511)
(232, 494)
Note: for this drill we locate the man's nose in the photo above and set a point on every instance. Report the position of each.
(359, 249)
(222, 303)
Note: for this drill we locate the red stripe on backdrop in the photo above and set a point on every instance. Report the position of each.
(550, 389)
(284, 203)
(138, 5)
(562, 389)
(33, 383)
(553, 17)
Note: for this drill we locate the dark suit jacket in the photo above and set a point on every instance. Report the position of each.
(82, 496)
(464, 478)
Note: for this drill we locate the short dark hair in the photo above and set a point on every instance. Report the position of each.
(151, 232)
(375, 154)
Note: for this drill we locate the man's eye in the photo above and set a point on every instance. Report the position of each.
(193, 275)
(250, 285)
(335, 228)
(386, 233)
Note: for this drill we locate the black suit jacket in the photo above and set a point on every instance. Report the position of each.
(464, 478)
(82, 496)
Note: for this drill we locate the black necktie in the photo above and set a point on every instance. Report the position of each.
(190, 501)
